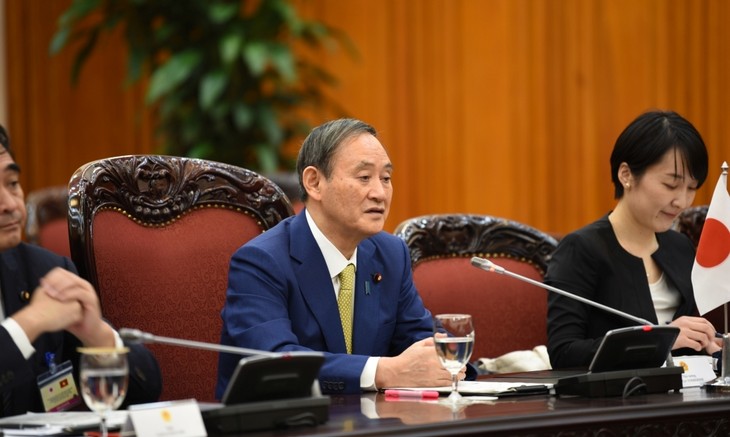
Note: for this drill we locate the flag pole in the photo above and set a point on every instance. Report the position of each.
(722, 383)
(723, 175)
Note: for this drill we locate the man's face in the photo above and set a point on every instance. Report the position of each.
(356, 197)
(12, 202)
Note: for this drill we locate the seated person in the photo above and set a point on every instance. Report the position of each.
(629, 259)
(283, 286)
(48, 311)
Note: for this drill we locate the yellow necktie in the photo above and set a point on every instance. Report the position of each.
(344, 302)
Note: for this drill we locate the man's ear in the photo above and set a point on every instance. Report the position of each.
(311, 179)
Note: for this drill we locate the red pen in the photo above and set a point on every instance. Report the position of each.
(412, 394)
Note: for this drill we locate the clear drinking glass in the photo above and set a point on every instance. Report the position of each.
(104, 377)
(455, 347)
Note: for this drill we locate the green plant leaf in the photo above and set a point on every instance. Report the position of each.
(267, 157)
(220, 13)
(172, 73)
(59, 40)
(211, 88)
(269, 122)
(84, 53)
(230, 47)
(282, 58)
(242, 116)
(201, 150)
(77, 10)
(256, 56)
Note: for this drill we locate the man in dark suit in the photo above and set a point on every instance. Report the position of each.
(48, 311)
(286, 292)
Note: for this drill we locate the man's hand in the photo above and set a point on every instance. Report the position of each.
(67, 287)
(46, 314)
(417, 366)
(696, 333)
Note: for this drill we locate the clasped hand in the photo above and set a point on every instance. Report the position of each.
(696, 333)
(64, 301)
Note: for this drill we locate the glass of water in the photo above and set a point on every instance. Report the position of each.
(104, 377)
(454, 346)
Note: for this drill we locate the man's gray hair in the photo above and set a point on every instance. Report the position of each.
(323, 142)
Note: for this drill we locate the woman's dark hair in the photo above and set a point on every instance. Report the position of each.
(649, 137)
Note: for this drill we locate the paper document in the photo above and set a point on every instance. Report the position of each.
(493, 388)
(57, 423)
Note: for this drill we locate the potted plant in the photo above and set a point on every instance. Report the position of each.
(231, 80)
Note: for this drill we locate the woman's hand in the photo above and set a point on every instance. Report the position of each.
(696, 333)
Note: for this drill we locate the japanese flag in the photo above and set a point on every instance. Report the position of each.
(711, 271)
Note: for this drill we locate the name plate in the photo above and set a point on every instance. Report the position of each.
(162, 419)
(697, 370)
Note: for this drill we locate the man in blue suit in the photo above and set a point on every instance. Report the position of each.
(285, 285)
(47, 312)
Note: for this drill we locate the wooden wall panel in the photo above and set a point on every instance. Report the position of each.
(54, 126)
(503, 107)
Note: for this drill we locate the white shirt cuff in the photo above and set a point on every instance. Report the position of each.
(19, 337)
(367, 377)
(118, 342)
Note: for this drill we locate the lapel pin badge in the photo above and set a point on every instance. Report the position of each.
(25, 296)
(377, 277)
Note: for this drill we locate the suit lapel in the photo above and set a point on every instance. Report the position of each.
(13, 281)
(367, 299)
(315, 284)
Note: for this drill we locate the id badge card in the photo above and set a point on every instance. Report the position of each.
(58, 388)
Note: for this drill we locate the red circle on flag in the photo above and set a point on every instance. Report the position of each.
(714, 246)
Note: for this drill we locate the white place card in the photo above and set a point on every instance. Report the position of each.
(697, 370)
(162, 419)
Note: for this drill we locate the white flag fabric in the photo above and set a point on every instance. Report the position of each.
(711, 270)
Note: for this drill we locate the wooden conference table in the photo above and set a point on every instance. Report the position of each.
(692, 412)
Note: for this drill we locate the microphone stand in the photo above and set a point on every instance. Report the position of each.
(137, 336)
(489, 266)
(263, 393)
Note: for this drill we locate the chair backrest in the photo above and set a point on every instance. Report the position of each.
(509, 314)
(155, 234)
(47, 224)
(691, 221)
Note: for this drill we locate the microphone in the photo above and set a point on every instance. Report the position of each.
(270, 390)
(137, 336)
(489, 266)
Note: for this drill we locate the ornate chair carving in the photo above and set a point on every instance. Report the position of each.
(509, 314)
(690, 222)
(155, 234)
(47, 224)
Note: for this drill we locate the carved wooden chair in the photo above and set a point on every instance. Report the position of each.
(508, 314)
(691, 221)
(154, 235)
(47, 224)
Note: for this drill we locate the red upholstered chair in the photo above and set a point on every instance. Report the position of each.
(508, 314)
(47, 224)
(155, 235)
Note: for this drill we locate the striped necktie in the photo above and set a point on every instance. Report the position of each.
(344, 302)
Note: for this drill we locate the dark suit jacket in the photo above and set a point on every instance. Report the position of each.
(20, 270)
(591, 263)
(280, 298)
